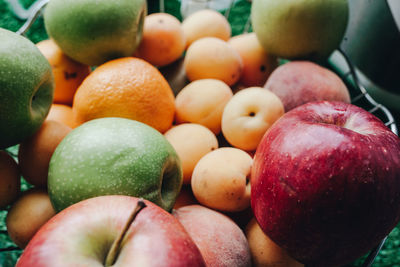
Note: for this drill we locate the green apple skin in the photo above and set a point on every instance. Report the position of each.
(26, 88)
(301, 29)
(95, 31)
(114, 156)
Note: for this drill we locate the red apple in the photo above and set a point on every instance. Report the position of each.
(325, 183)
(83, 234)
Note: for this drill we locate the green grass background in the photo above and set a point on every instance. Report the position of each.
(389, 255)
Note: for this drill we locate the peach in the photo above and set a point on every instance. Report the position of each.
(248, 115)
(257, 63)
(203, 102)
(191, 141)
(264, 251)
(206, 23)
(10, 179)
(220, 241)
(63, 114)
(68, 74)
(213, 58)
(220, 179)
(27, 215)
(35, 152)
(300, 82)
(163, 40)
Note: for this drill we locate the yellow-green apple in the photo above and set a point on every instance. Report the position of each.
(248, 115)
(325, 182)
(27, 87)
(191, 141)
(309, 29)
(220, 179)
(10, 179)
(31, 210)
(257, 63)
(264, 252)
(95, 31)
(300, 82)
(220, 241)
(112, 231)
(114, 156)
(203, 102)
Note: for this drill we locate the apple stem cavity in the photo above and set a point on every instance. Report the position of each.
(116, 246)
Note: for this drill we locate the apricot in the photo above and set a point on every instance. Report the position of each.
(63, 114)
(213, 58)
(10, 180)
(206, 23)
(264, 251)
(191, 141)
(248, 115)
(163, 40)
(220, 179)
(68, 74)
(220, 241)
(27, 215)
(35, 152)
(203, 102)
(258, 64)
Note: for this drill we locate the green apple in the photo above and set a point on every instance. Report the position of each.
(114, 156)
(95, 31)
(26, 88)
(301, 29)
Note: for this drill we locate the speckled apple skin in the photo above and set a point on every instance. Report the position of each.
(326, 183)
(82, 235)
(114, 156)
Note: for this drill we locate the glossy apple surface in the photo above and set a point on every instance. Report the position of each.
(325, 183)
(114, 156)
(27, 87)
(82, 235)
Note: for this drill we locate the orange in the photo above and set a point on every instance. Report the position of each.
(213, 58)
(163, 40)
(68, 74)
(63, 114)
(129, 88)
(10, 180)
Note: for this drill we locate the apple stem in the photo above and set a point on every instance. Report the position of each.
(116, 246)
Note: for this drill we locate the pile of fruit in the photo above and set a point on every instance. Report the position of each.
(145, 140)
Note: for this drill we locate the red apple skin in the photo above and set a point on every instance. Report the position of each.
(326, 183)
(82, 234)
(300, 82)
(221, 242)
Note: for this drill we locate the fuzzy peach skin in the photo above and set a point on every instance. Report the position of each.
(248, 115)
(191, 141)
(206, 23)
(213, 58)
(258, 64)
(203, 102)
(220, 179)
(220, 241)
(300, 82)
(264, 251)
